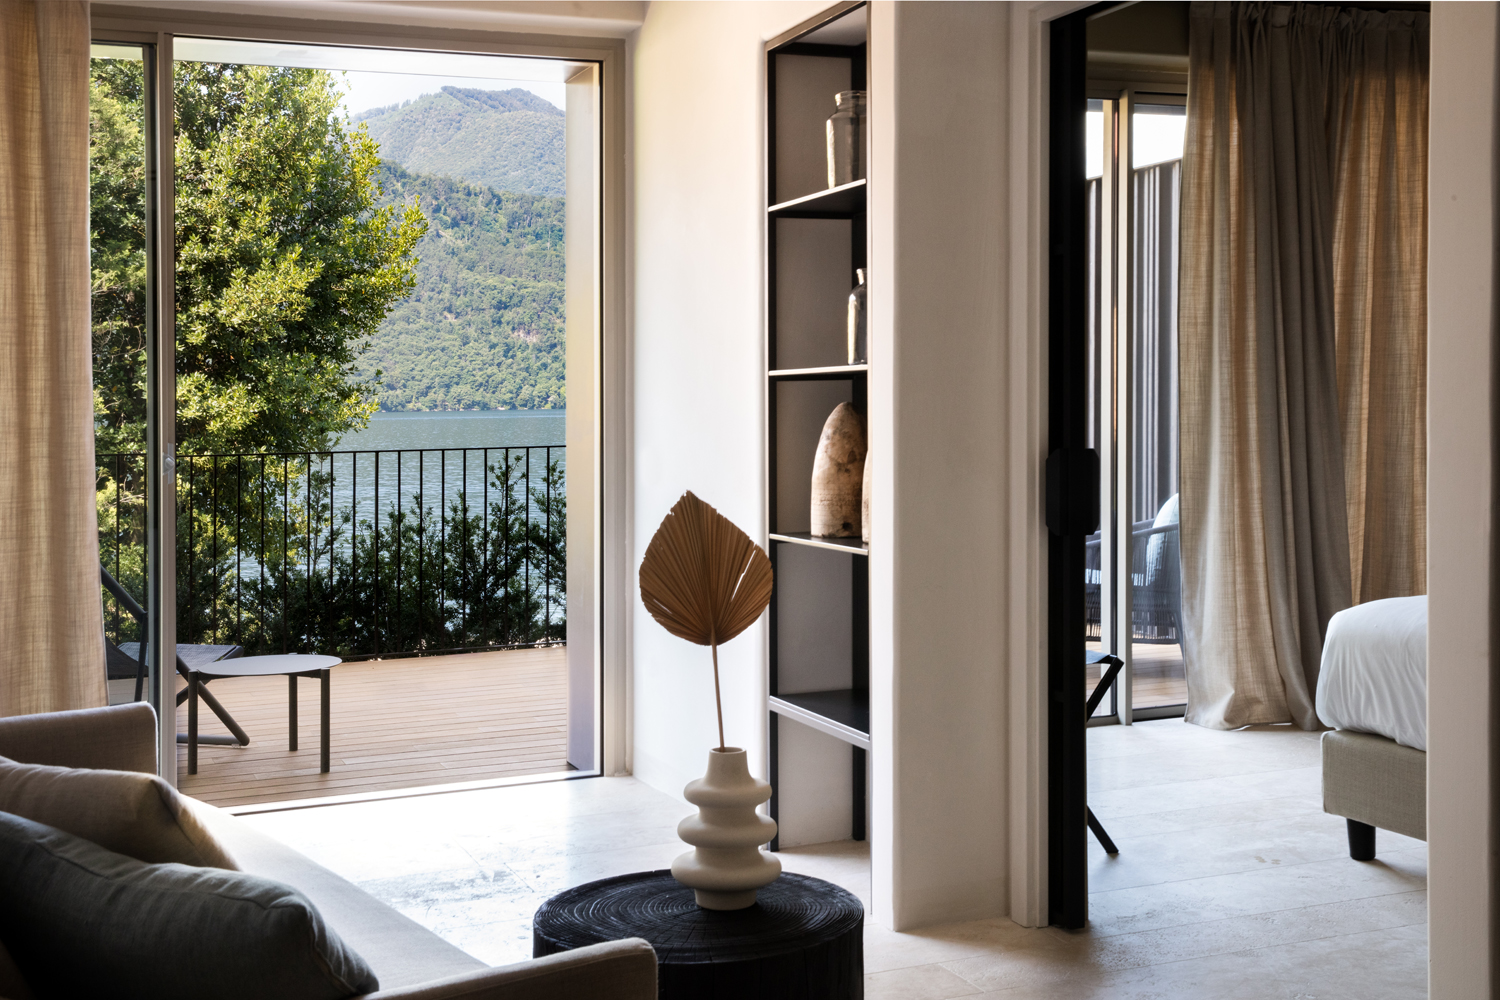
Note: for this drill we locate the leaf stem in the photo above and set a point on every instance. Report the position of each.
(718, 701)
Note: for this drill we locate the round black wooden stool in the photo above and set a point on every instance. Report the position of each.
(802, 940)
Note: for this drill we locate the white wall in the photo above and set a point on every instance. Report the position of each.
(699, 215)
(938, 401)
(1461, 503)
(938, 433)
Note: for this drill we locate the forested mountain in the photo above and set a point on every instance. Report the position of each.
(484, 327)
(510, 140)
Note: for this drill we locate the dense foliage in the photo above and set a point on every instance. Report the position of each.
(489, 571)
(509, 140)
(484, 329)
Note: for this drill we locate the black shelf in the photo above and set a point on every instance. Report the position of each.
(853, 546)
(844, 715)
(842, 202)
(826, 373)
(808, 274)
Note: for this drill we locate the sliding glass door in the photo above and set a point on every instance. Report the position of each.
(133, 466)
(1132, 574)
(368, 422)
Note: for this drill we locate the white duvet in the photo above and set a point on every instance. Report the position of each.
(1374, 673)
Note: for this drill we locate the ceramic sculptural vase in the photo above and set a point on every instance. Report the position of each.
(705, 581)
(838, 475)
(864, 503)
(846, 138)
(726, 865)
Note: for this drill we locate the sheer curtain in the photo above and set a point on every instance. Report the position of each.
(1302, 327)
(51, 622)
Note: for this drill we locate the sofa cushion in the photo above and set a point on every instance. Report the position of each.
(402, 952)
(122, 737)
(84, 921)
(137, 815)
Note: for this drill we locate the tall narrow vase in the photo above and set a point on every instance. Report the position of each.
(859, 327)
(726, 864)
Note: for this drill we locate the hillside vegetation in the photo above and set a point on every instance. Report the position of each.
(484, 328)
(509, 140)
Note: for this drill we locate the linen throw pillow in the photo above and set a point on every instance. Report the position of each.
(138, 815)
(83, 921)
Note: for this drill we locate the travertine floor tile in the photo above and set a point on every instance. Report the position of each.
(918, 982)
(1231, 884)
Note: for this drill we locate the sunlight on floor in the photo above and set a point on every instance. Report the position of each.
(1231, 882)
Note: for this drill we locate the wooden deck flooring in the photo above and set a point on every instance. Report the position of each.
(1159, 676)
(394, 724)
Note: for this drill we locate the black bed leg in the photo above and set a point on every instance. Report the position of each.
(1361, 841)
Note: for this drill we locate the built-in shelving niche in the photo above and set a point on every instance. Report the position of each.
(819, 704)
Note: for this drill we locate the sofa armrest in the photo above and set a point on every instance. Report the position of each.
(615, 970)
(117, 738)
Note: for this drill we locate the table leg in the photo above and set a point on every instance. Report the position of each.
(193, 683)
(291, 701)
(325, 674)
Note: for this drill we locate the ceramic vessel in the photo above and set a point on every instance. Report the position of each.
(838, 472)
(846, 138)
(859, 329)
(864, 503)
(726, 864)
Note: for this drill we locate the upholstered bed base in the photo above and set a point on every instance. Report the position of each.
(1374, 782)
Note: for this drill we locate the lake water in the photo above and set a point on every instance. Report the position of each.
(442, 454)
(478, 429)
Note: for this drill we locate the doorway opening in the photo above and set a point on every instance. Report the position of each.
(1197, 831)
(376, 397)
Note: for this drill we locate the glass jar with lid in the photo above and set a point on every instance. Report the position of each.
(846, 138)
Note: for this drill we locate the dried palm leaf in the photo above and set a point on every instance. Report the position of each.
(704, 580)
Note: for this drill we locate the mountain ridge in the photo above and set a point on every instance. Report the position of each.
(509, 140)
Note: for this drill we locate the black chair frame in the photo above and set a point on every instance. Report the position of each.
(240, 737)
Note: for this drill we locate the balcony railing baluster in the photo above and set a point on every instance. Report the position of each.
(485, 593)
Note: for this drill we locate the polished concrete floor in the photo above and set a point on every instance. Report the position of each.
(1230, 883)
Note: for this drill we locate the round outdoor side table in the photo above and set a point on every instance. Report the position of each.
(802, 940)
(293, 665)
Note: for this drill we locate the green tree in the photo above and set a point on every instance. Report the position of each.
(286, 263)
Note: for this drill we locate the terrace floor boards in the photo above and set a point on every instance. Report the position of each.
(394, 724)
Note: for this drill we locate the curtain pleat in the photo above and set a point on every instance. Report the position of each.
(51, 623)
(1380, 307)
(1298, 159)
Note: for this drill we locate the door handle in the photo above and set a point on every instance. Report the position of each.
(1073, 491)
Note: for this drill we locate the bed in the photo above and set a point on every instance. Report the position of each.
(1372, 691)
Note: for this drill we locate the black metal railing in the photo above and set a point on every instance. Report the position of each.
(359, 553)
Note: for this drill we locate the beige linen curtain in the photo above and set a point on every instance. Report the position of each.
(51, 622)
(1302, 329)
(1380, 297)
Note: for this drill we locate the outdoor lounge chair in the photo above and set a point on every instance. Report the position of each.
(1155, 576)
(130, 657)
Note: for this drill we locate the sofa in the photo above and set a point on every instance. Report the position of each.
(409, 961)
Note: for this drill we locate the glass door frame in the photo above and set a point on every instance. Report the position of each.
(602, 596)
(1113, 443)
(1117, 405)
(161, 384)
